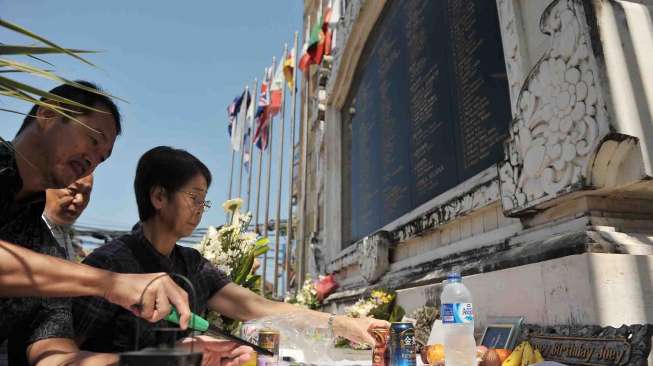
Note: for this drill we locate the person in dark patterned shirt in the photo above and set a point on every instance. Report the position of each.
(170, 206)
(51, 151)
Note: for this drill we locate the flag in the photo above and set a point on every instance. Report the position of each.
(289, 70)
(248, 134)
(232, 112)
(331, 20)
(316, 40)
(276, 89)
(237, 132)
(261, 117)
(305, 60)
(262, 130)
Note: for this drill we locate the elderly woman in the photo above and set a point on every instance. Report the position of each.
(171, 186)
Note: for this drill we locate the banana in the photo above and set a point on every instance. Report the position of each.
(538, 356)
(527, 356)
(515, 357)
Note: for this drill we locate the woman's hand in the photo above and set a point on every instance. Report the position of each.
(216, 352)
(358, 330)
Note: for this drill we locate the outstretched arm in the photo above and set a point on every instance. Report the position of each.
(240, 303)
(27, 273)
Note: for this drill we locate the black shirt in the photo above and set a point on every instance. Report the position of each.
(106, 327)
(26, 320)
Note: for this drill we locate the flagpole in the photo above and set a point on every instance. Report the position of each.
(301, 245)
(289, 223)
(251, 144)
(231, 171)
(258, 191)
(242, 134)
(269, 172)
(277, 224)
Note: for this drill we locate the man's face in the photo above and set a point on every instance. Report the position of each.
(74, 149)
(63, 206)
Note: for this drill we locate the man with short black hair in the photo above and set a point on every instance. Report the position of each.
(52, 151)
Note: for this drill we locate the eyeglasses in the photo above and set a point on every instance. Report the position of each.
(198, 202)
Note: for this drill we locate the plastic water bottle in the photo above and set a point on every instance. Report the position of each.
(458, 322)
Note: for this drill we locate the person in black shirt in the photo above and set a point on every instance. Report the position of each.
(171, 187)
(51, 151)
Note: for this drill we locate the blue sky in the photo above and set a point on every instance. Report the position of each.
(178, 65)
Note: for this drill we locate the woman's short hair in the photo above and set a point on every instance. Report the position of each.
(168, 168)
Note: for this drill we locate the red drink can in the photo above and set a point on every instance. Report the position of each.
(380, 355)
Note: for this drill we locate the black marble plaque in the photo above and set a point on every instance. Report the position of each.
(428, 108)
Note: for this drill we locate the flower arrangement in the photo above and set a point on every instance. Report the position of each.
(306, 297)
(423, 319)
(233, 250)
(380, 304)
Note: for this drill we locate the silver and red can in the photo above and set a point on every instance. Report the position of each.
(380, 356)
(402, 345)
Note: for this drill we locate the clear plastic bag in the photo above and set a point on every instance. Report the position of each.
(302, 336)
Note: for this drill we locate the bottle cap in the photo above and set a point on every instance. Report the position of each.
(453, 276)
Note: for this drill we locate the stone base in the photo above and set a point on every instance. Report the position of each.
(588, 289)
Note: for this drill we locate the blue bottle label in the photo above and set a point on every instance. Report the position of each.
(457, 313)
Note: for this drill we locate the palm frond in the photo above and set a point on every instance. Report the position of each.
(6, 49)
(50, 75)
(25, 32)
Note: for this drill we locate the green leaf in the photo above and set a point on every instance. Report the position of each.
(262, 241)
(250, 283)
(6, 49)
(49, 75)
(260, 250)
(12, 111)
(397, 314)
(25, 32)
(30, 89)
(245, 267)
(18, 94)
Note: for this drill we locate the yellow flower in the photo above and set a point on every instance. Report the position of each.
(232, 205)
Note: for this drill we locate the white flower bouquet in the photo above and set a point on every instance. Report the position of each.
(233, 249)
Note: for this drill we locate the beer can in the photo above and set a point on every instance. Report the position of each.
(269, 339)
(402, 345)
(380, 353)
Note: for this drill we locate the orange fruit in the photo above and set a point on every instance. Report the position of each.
(435, 353)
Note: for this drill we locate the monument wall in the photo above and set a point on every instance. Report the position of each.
(510, 140)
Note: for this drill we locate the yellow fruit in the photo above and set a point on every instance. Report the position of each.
(503, 353)
(435, 353)
(527, 356)
(515, 357)
(538, 356)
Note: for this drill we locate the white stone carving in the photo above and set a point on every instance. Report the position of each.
(463, 204)
(561, 115)
(373, 256)
(510, 25)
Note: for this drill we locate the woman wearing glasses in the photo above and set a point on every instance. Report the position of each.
(171, 187)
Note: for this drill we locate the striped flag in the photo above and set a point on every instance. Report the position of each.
(261, 132)
(248, 133)
(232, 112)
(238, 129)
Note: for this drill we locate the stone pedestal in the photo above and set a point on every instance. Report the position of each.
(584, 289)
